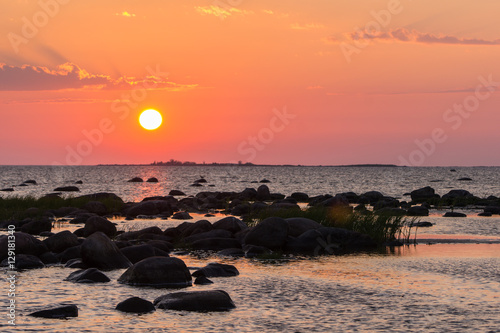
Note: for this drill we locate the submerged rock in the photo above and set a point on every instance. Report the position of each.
(90, 275)
(135, 180)
(59, 311)
(205, 301)
(217, 270)
(67, 189)
(454, 214)
(135, 305)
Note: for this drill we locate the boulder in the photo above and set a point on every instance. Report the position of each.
(263, 193)
(423, 224)
(248, 194)
(132, 235)
(149, 207)
(176, 193)
(492, 209)
(31, 181)
(182, 216)
(231, 224)
(97, 223)
(90, 275)
(252, 251)
(336, 201)
(73, 252)
(264, 181)
(137, 253)
(231, 253)
(25, 261)
(205, 301)
(300, 196)
(298, 225)
(152, 180)
(202, 280)
(135, 305)
(372, 197)
(417, 211)
(465, 179)
(457, 194)
(96, 207)
(67, 189)
(61, 241)
(217, 270)
(100, 252)
(201, 226)
(164, 272)
(25, 244)
(35, 227)
(215, 244)
(59, 311)
(136, 180)
(454, 214)
(217, 233)
(271, 233)
(423, 194)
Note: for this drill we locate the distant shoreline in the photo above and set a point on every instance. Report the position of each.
(258, 165)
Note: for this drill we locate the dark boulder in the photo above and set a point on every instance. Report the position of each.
(231, 224)
(152, 180)
(265, 181)
(217, 233)
(100, 252)
(61, 241)
(298, 225)
(25, 261)
(263, 193)
(36, 226)
(198, 227)
(418, 211)
(25, 244)
(423, 224)
(31, 181)
(135, 305)
(217, 270)
(74, 252)
(271, 233)
(136, 180)
(90, 275)
(492, 209)
(182, 216)
(149, 207)
(202, 280)
(300, 196)
(423, 194)
(235, 253)
(215, 244)
(248, 194)
(453, 194)
(132, 235)
(465, 179)
(96, 207)
(241, 209)
(371, 197)
(97, 223)
(137, 253)
(161, 272)
(454, 214)
(204, 301)
(176, 193)
(67, 189)
(49, 258)
(59, 311)
(253, 251)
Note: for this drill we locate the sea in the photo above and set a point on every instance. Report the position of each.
(449, 281)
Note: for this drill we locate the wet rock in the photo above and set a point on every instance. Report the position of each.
(300, 196)
(158, 272)
(135, 305)
(492, 209)
(48, 258)
(176, 193)
(90, 275)
(423, 194)
(152, 180)
(137, 253)
(202, 280)
(75, 263)
(465, 179)
(205, 301)
(457, 194)
(265, 181)
(336, 201)
(182, 216)
(98, 251)
(248, 194)
(298, 225)
(231, 224)
(241, 209)
(201, 180)
(253, 251)
(271, 233)
(423, 224)
(217, 270)
(70, 253)
(60, 311)
(418, 211)
(31, 181)
(161, 245)
(215, 244)
(149, 207)
(36, 226)
(199, 227)
(61, 241)
(485, 214)
(97, 223)
(454, 214)
(79, 182)
(8, 189)
(136, 180)
(25, 261)
(231, 253)
(196, 185)
(25, 244)
(217, 233)
(263, 193)
(372, 197)
(96, 207)
(67, 189)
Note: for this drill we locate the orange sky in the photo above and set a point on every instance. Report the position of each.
(281, 82)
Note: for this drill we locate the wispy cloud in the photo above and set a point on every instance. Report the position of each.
(268, 11)
(414, 36)
(125, 14)
(61, 101)
(307, 26)
(221, 12)
(70, 76)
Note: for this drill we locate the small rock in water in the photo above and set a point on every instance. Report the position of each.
(136, 180)
(202, 280)
(176, 193)
(30, 181)
(152, 180)
(454, 214)
(465, 179)
(182, 216)
(9, 189)
(135, 305)
(67, 189)
(423, 224)
(208, 300)
(79, 182)
(265, 181)
(91, 275)
(60, 311)
(201, 180)
(217, 270)
(196, 185)
(453, 170)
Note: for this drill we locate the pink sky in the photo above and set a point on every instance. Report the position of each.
(295, 82)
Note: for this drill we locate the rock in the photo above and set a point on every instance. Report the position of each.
(158, 272)
(137, 253)
(390, 211)
(271, 233)
(241, 209)
(418, 211)
(298, 225)
(152, 180)
(90, 275)
(208, 300)
(454, 214)
(63, 310)
(67, 189)
(201, 180)
(25, 244)
(217, 233)
(161, 245)
(202, 280)
(372, 197)
(199, 227)
(263, 193)
(196, 185)
(136, 180)
(329, 241)
(231, 253)
(48, 258)
(423, 194)
(96, 207)
(98, 251)
(252, 251)
(182, 216)
(215, 244)
(74, 252)
(485, 214)
(61, 241)
(97, 223)
(137, 234)
(492, 209)
(217, 270)
(336, 201)
(135, 305)
(231, 224)
(453, 170)
(465, 179)
(8, 189)
(150, 207)
(300, 196)
(423, 224)
(248, 194)
(265, 181)
(25, 261)
(79, 182)
(31, 181)
(176, 193)
(75, 263)
(35, 227)
(457, 194)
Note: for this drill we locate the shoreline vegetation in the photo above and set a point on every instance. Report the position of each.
(173, 162)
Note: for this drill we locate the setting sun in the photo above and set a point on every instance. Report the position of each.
(150, 119)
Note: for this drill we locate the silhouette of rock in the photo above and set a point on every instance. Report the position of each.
(206, 301)
(63, 310)
(158, 272)
(135, 305)
(67, 189)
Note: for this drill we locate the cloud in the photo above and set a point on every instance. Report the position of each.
(125, 14)
(267, 11)
(308, 26)
(62, 101)
(405, 35)
(221, 12)
(70, 76)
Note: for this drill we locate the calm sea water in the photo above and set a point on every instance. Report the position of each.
(452, 285)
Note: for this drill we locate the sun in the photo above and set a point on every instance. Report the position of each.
(150, 119)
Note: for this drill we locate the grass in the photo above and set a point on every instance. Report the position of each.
(13, 208)
(381, 228)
